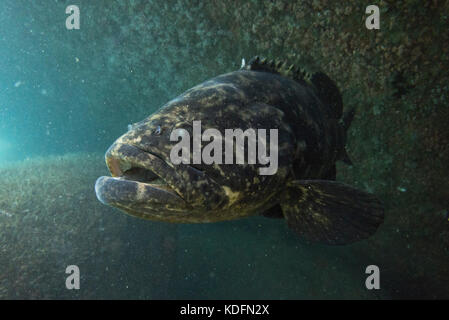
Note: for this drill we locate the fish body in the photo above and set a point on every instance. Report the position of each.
(306, 112)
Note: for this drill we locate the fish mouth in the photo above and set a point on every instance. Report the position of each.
(140, 181)
(132, 171)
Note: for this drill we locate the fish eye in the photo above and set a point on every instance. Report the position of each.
(158, 130)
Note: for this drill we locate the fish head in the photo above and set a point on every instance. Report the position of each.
(145, 182)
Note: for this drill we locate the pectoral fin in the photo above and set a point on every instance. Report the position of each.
(330, 212)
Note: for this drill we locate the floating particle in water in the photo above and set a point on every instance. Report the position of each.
(5, 213)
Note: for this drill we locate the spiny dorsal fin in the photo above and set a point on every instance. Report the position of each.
(324, 87)
(278, 67)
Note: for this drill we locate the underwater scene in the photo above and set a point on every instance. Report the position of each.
(232, 149)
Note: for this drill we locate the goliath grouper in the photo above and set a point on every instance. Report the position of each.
(305, 108)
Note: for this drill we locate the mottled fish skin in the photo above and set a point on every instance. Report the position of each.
(309, 145)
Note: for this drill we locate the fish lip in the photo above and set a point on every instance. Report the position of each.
(122, 157)
(123, 193)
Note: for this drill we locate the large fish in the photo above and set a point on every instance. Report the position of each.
(305, 108)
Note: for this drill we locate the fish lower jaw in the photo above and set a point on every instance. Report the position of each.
(121, 192)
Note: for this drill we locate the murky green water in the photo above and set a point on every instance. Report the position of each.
(66, 95)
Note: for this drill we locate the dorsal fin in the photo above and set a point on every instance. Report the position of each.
(278, 67)
(324, 87)
(328, 92)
